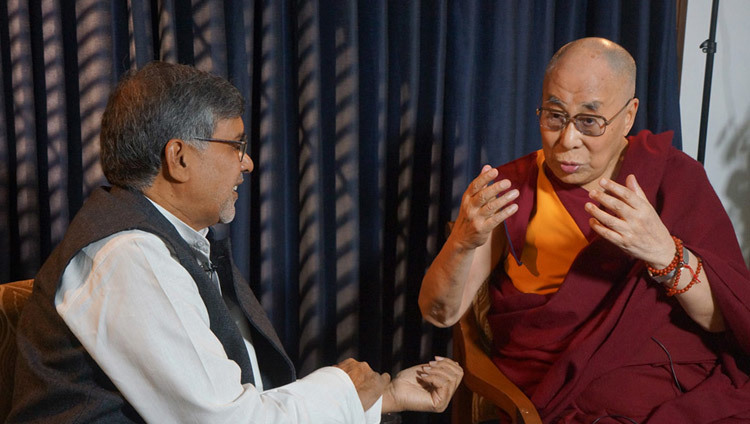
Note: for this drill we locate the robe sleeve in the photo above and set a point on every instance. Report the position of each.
(692, 211)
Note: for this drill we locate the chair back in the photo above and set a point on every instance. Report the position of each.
(485, 393)
(472, 339)
(13, 297)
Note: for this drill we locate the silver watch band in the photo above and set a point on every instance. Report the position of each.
(668, 277)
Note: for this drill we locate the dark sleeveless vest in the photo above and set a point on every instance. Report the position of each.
(57, 381)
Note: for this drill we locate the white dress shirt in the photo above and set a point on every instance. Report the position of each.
(138, 313)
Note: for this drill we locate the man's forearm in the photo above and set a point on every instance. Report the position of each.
(698, 300)
(442, 297)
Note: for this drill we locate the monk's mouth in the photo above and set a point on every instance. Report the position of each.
(569, 167)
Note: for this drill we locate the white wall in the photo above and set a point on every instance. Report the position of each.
(727, 158)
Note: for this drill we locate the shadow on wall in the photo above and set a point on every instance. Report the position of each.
(737, 156)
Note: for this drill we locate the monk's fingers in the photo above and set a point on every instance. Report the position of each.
(484, 209)
(632, 183)
(606, 232)
(485, 224)
(484, 178)
(614, 188)
(616, 230)
(638, 220)
(628, 226)
(490, 193)
(640, 239)
(499, 201)
(631, 195)
(501, 215)
(631, 207)
(613, 203)
(644, 246)
(480, 191)
(607, 219)
(501, 208)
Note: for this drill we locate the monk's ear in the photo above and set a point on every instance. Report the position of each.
(176, 160)
(630, 113)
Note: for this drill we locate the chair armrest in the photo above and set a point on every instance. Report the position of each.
(482, 377)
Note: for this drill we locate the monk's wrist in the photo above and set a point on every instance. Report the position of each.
(666, 257)
(667, 278)
(664, 273)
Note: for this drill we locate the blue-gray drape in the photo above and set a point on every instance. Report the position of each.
(367, 120)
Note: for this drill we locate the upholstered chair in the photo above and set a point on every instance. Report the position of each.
(13, 297)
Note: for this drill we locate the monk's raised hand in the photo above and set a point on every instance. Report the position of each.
(483, 208)
(630, 222)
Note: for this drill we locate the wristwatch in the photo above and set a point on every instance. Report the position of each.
(668, 277)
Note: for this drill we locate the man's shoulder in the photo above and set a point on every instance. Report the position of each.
(103, 215)
(125, 243)
(112, 204)
(649, 147)
(648, 144)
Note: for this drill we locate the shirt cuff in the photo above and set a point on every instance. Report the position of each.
(339, 398)
(372, 415)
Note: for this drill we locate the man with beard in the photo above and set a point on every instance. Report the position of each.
(140, 315)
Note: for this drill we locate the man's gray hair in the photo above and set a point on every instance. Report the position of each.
(150, 106)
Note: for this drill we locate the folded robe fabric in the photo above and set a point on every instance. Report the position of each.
(601, 344)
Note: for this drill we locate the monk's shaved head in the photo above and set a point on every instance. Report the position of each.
(594, 78)
(593, 48)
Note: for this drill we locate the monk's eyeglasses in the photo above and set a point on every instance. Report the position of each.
(586, 124)
(240, 145)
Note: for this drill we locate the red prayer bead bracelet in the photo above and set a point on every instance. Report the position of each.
(671, 291)
(676, 267)
(672, 265)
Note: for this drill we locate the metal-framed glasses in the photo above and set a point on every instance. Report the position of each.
(586, 124)
(240, 145)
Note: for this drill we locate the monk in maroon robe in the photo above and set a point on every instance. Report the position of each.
(623, 293)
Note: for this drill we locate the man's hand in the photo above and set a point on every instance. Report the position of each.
(482, 210)
(426, 387)
(632, 224)
(369, 384)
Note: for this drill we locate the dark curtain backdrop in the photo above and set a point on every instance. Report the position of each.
(367, 119)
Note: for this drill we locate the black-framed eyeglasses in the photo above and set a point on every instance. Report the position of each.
(586, 124)
(241, 145)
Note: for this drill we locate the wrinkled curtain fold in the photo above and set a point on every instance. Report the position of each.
(367, 120)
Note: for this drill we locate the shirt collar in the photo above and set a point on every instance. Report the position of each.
(196, 239)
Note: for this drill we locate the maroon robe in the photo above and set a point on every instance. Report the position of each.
(599, 345)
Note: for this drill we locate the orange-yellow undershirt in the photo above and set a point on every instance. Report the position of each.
(553, 240)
